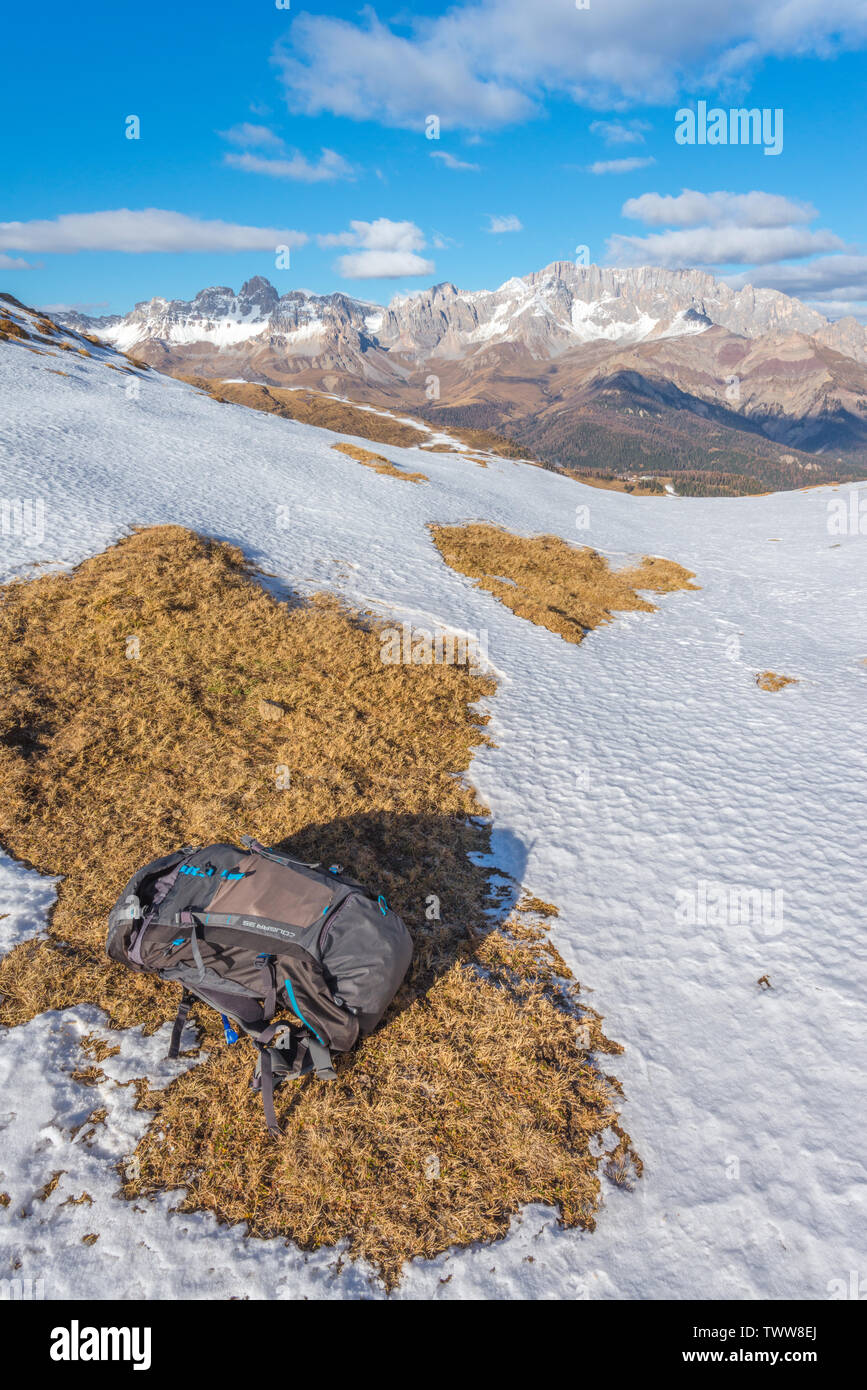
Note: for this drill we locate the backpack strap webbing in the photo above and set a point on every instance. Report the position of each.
(266, 1085)
(180, 1019)
(321, 1059)
(278, 1061)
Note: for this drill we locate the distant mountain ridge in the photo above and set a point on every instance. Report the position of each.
(567, 359)
(547, 311)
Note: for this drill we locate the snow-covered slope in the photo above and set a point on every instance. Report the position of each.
(628, 772)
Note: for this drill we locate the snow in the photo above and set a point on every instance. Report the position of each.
(222, 332)
(26, 899)
(628, 772)
(590, 323)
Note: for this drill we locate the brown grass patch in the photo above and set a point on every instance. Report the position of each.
(770, 680)
(479, 1093)
(10, 328)
(344, 417)
(378, 462)
(565, 588)
(313, 409)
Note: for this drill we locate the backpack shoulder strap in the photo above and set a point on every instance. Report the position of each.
(180, 1019)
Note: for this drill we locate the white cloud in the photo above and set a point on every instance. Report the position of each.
(711, 229)
(835, 277)
(727, 245)
(386, 250)
(451, 162)
(620, 166)
(148, 229)
(834, 309)
(833, 285)
(330, 165)
(383, 265)
(509, 223)
(250, 136)
(14, 263)
(381, 235)
(620, 132)
(690, 209)
(486, 63)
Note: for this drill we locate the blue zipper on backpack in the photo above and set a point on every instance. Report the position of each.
(294, 1003)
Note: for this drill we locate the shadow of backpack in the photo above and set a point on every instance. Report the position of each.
(253, 934)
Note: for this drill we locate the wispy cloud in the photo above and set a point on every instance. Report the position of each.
(620, 132)
(451, 162)
(14, 263)
(620, 166)
(711, 246)
(690, 209)
(250, 136)
(386, 250)
(277, 162)
(148, 229)
(508, 223)
(329, 166)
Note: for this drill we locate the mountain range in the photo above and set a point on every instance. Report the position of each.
(616, 371)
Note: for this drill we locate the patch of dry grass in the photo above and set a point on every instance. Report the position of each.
(378, 462)
(770, 680)
(10, 328)
(311, 408)
(478, 1094)
(565, 588)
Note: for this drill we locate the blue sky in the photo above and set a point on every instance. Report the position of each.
(263, 126)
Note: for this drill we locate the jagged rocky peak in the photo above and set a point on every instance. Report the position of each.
(546, 313)
(259, 291)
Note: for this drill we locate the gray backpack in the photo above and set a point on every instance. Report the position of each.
(253, 933)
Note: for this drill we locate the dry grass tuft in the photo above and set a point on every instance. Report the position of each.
(10, 328)
(538, 906)
(378, 462)
(479, 1093)
(567, 589)
(770, 680)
